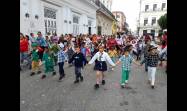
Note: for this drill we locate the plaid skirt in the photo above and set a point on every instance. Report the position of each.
(100, 66)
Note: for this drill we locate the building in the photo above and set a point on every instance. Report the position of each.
(121, 20)
(150, 12)
(107, 4)
(58, 16)
(104, 18)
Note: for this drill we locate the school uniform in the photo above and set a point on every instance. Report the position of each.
(101, 61)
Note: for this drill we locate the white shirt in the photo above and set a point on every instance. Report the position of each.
(104, 57)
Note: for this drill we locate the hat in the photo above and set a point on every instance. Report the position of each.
(34, 44)
(152, 47)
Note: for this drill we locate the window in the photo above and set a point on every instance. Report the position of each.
(145, 21)
(75, 19)
(89, 23)
(153, 33)
(75, 25)
(117, 16)
(153, 20)
(144, 32)
(163, 6)
(146, 8)
(49, 13)
(50, 20)
(154, 7)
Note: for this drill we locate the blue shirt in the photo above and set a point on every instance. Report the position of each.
(126, 62)
(83, 50)
(41, 41)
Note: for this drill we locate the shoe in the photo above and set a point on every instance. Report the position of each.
(152, 87)
(76, 81)
(32, 73)
(126, 82)
(54, 73)
(61, 77)
(39, 72)
(96, 86)
(81, 78)
(103, 82)
(122, 86)
(43, 77)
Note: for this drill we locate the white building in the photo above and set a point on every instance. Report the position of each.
(150, 12)
(60, 16)
(107, 4)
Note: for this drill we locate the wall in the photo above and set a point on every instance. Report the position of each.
(65, 9)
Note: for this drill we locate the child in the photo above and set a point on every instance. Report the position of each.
(152, 62)
(101, 65)
(55, 50)
(70, 52)
(78, 59)
(139, 49)
(61, 59)
(49, 63)
(35, 60)
(146, 51)
(113, 54)
(126, 60)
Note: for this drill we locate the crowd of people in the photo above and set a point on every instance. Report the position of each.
(52, 50)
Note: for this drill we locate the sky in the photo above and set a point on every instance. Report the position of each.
(131, 10)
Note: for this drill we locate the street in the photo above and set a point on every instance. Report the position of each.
(51, 95)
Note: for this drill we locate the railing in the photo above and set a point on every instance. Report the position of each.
(100, 5)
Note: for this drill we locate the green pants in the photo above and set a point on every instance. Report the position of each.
(124, 76)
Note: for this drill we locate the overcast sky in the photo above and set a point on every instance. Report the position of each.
(131, 10)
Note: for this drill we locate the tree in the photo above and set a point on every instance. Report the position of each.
(162, 21)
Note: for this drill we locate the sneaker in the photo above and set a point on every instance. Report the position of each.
(39, 72)
(54, 73)
(152, 87)
(96, 86)
(126, 81)
(103, 82)
(76, 81)
(122, 86)
(43, 77)
(32, 73)
(81, 78)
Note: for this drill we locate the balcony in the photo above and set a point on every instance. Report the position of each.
(102, 7)
(156, 10)
(149, 26)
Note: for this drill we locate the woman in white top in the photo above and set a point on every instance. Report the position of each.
(100, 65)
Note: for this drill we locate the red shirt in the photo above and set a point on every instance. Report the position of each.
(111, 42)
(24, 45)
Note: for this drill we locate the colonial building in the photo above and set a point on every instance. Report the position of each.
(105, 18)
(121, 20)
(60, 16)
(150, 12)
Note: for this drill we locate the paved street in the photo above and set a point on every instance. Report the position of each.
(51, 95)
